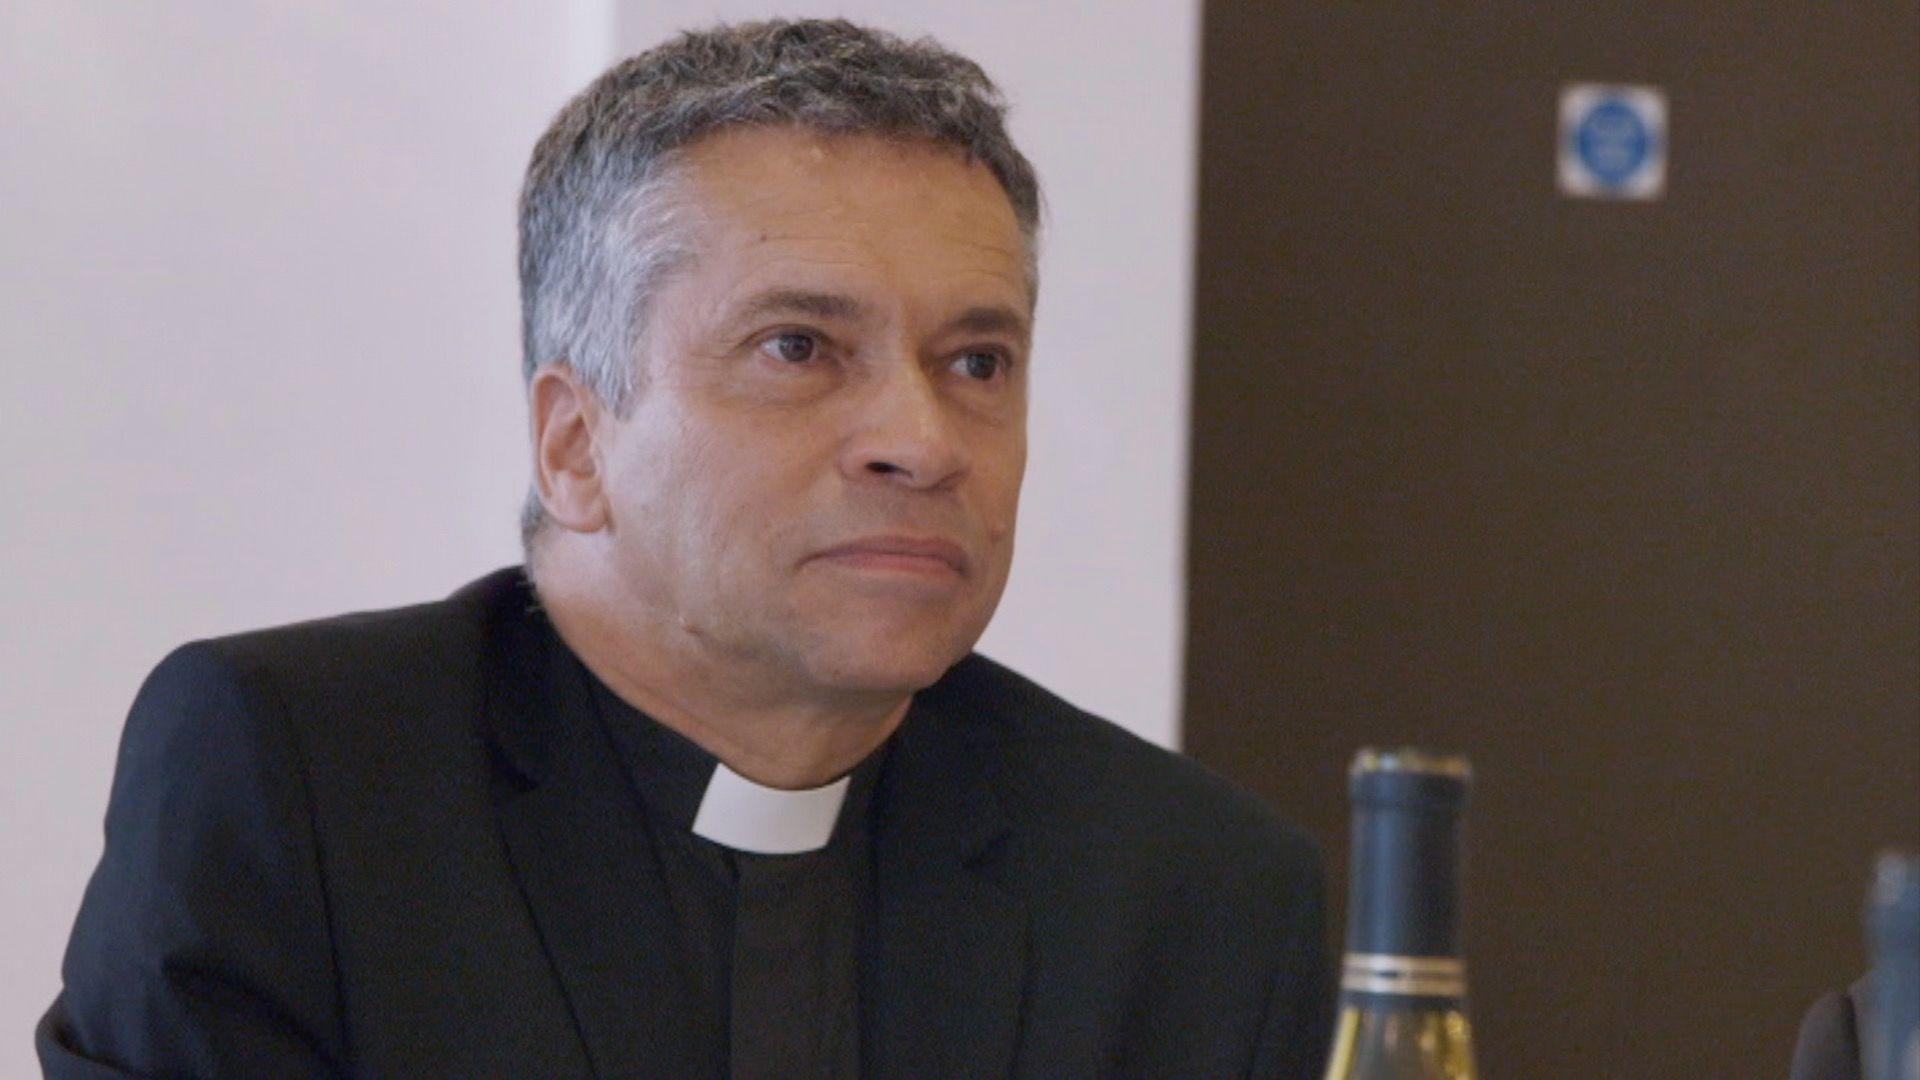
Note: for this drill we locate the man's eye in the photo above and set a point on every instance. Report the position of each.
(792, 348)
(981, 365)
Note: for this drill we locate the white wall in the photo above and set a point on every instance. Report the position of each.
(258, 317)
(257, 307)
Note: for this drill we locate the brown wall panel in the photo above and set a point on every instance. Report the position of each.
(1623, 500)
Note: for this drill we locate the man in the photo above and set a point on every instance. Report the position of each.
(714, 788)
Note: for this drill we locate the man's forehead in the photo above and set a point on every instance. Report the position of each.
(791, 177)
(773, 203)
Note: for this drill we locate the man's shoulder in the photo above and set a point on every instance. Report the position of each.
(1064, 768)
(373, 664)
(365, 644)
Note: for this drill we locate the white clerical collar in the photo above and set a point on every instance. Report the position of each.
(745, 816)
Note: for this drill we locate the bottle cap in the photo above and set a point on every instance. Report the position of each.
(1410, 759)
(1410, 778)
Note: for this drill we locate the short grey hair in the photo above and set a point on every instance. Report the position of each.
(601, 220)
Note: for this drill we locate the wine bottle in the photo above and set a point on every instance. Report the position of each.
(1403, 990)
(1891, 1039)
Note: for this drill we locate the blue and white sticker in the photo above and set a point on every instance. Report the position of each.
(1613, 141)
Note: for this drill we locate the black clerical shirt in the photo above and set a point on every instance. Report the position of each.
(768, 947)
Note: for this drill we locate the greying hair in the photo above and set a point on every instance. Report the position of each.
(602, 220)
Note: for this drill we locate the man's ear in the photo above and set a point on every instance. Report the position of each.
(567, 418)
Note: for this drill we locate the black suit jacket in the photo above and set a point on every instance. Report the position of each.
(400, 844)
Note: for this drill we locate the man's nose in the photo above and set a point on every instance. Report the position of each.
(904, 433)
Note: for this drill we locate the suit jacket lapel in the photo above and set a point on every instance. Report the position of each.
(945, 972)
(585, 862)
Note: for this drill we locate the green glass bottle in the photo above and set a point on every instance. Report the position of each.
(1403, 989)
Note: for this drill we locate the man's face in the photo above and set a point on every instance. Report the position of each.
(817, 481)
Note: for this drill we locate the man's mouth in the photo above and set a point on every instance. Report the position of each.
(900, 553)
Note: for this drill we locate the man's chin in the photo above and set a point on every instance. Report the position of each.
(884, 647)
(885, 668)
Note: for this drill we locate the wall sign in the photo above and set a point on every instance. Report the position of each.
(1613, 141)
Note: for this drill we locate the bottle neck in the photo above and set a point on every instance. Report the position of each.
(1892, 1043)
(1403, 937)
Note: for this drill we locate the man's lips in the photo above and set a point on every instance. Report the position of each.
(908, 553)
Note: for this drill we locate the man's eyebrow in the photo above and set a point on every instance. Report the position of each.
(818, 305)
(991, 320)
(982, 319)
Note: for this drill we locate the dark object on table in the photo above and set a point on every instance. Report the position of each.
(1829, 1046)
